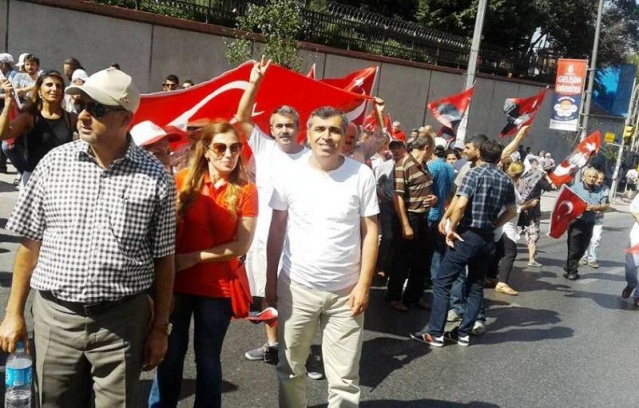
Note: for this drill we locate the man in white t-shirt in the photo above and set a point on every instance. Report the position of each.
(324, 229)
(271, 155)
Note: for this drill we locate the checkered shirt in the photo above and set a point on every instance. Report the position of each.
(100, 229)
(488, 190)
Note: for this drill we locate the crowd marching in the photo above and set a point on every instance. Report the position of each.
(124, 248)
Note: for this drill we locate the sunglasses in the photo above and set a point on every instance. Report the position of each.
(220, 148)
(97, 110)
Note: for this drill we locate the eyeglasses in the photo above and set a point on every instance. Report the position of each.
(97, 110)
(220, 148)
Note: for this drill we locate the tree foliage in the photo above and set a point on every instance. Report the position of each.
(564, 28)
(280, 23)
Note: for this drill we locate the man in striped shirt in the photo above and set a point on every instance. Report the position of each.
(413, 198)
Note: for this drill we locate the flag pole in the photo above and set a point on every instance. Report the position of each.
(472, 66)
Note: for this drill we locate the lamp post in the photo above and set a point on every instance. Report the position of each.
(591, 75)
(472, 65)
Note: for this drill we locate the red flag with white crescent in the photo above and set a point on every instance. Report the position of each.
(370, 122)
(566, 170)
(218, 98)
(568, 207)
(450, 111)
(521, 112)
(360, 82)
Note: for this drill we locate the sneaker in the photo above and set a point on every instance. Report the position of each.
(453, 336)
(535, 264)
(427, 338)
(593, 264)
(627, 291)
(265, 353)
(479, 328)
(571, 276)
(453, 316)
(314, 367)
(583, 262)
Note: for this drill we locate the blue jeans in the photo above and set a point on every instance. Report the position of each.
(15, 153)
(211, 317)
(472, 251)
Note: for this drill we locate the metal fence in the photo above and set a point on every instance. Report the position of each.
(355, 29)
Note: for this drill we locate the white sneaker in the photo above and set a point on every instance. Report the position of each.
(453, 316)
(479, 328)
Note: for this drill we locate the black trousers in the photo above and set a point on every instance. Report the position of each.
(579, 234)
(509, 254)
(410, 261)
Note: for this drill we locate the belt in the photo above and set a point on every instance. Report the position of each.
(87, 309)
(483, 232)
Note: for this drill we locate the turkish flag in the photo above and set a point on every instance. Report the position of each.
(360, 82)
(564, 173)
(521, 112)
(450, 110)
(568, 207)
(370, 122)
(218, 98)
(311, 72)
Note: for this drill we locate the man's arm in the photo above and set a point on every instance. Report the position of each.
(358, 298)
(274, 245)
(635, 215)
(13, 327)
(400, 210)
(447, 214)
(455, 217)
(512, 146)
(157, 338)
(245, 107)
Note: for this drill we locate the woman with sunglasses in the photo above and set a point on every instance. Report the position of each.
(42, 124)
(217, 213)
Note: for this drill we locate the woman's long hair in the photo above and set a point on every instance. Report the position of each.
(34, 104)
(199, 166)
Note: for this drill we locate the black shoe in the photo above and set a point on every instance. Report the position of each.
(571, 276)
(3, 169)
(627, 291)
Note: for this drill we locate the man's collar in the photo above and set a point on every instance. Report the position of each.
(133, 152)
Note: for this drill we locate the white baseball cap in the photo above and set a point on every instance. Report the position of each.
(147, 132)
(6, 58)
(110, 87)
(21, 59)
(79, 74)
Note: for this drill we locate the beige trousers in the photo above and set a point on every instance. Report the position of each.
(75, 354)
(300, 311)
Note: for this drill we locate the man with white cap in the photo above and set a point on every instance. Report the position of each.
(72, 103)
(155, 140)
(98, 225)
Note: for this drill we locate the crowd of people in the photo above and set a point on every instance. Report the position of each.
(125, 242)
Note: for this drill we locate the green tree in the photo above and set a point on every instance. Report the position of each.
(280, 22)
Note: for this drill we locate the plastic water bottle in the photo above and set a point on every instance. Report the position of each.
(18, 378)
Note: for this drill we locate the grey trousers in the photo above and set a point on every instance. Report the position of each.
(101, 351)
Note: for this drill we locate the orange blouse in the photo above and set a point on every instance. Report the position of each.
(208, 223)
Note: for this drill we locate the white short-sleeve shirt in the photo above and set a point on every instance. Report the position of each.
(322, 249)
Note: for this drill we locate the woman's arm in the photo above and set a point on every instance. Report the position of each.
(10, 129)
(230, 250)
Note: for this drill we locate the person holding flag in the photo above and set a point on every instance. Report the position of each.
(580, 230)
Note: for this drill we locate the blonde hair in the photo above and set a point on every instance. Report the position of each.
(198, 167)
(515, 168)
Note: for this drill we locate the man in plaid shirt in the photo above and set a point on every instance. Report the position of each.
(478, 211)
(97, 221)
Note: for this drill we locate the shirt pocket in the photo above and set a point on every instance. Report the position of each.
(130, 219)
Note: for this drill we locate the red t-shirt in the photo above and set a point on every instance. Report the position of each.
(208, 223)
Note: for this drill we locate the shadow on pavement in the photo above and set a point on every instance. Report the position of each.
(6, 187)
(422, 403)
(5, 279)
(8, 238)
(188, 390)
(607, 301)
(385, 355)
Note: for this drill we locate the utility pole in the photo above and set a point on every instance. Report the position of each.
(472, 65)
(631, 120)
(591, 76)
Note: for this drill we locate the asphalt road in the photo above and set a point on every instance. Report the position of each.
(558, 344)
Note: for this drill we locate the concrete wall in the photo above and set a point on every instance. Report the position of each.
(149, 47)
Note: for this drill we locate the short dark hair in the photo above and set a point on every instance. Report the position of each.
(490, 151)
(173, 78)
(422, 141)
(326, 112)
(75, 64)
(115, 65)
(32, 58)
(477, 140)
